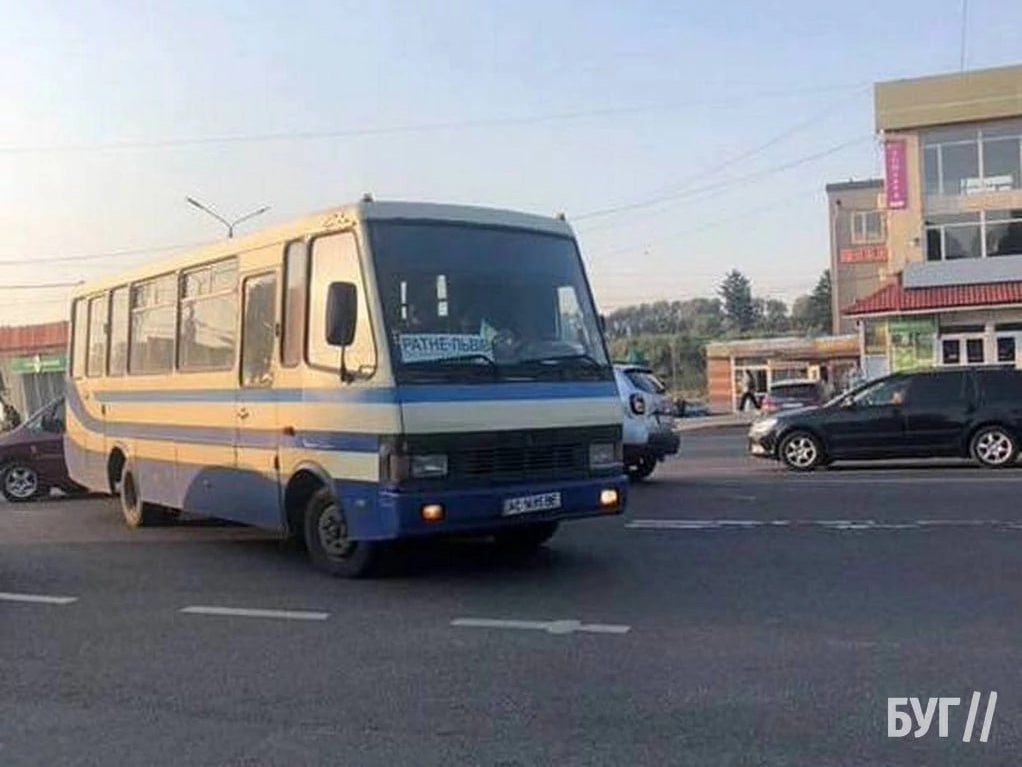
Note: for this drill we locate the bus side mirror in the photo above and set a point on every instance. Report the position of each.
(341, 313)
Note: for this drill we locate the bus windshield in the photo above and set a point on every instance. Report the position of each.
(473, 302)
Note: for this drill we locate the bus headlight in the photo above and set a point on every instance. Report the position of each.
(433, 465)
(603, 455)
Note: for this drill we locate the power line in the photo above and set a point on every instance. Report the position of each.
(805, 159)
(98, 256)
(42, 285)
(745, 215)
(758, 149)
(166, 143)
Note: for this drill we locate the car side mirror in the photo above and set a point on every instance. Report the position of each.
(341, 313)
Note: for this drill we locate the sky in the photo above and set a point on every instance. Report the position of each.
(681, 139)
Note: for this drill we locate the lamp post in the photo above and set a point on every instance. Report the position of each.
(229, 224)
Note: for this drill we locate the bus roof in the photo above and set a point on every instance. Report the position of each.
(332, 218)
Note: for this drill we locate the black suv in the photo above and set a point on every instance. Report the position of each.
(957, 412)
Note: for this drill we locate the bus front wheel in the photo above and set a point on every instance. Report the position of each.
(326, 539)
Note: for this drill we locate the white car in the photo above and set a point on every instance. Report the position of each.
(649, 434)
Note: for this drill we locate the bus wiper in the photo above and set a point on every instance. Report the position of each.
(435, 365)
(587, 359)
(459, 358)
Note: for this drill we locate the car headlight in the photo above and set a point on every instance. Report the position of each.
(432, 465)
(763, 426)
(603, 455)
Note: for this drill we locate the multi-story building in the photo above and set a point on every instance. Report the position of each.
(858, 245)
(953, 189)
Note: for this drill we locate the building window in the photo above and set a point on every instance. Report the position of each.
(1003, 230)
(972, 160)
(986, 234)
(867, 227)
(974, 351)
(1006, 349)
(953, 237)
(950, 351)
(209, 317)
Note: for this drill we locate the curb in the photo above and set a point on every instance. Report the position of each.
(703, 426)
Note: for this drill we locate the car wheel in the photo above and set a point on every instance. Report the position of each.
(994, 447)
(801, 451)
(640, 470)
(326, 538)
(19, 482)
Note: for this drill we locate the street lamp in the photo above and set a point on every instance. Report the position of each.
(229, 224)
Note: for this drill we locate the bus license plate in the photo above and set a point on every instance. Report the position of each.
(530, 503)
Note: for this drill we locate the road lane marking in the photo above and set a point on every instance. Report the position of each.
(244, 612)
(551, 627)
(41, 599)
(831, 524)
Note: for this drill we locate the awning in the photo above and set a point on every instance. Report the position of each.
(895, 299)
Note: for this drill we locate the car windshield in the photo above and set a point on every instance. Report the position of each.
(470, 302)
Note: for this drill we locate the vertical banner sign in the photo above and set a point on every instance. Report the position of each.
(896, 173)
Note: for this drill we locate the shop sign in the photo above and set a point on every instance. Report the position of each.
(896, 186)
(870, 254)
(39, 363)
(912, 343)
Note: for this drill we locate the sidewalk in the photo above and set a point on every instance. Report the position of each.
(722, 421)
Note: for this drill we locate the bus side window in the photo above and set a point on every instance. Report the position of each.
(259, 330)
(80, 338)
(296, 264)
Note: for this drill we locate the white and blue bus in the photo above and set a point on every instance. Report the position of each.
(374, 372)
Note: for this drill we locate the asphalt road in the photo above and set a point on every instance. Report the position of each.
(737, 614)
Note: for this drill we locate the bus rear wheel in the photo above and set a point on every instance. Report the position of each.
(136, 512)
(326, 539)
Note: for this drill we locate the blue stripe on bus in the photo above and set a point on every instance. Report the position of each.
(419, 394)
(354, 442)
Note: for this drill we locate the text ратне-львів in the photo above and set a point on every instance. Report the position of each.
(905, 713)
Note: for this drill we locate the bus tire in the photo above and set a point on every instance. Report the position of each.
(136, 512)
(327, 543)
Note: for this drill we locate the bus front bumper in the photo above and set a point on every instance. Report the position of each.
(482, 510)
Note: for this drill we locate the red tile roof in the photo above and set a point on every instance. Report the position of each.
(893, 298)
(32, 338)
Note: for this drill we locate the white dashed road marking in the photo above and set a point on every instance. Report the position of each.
(830, 524)
(40, 599)
(551, 627)
(241, 612)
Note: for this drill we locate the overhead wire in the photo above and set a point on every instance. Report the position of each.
(165, 143)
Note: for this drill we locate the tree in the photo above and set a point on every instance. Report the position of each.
(736, 293)
(820, 303)
(775, 319)
(811, 313)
